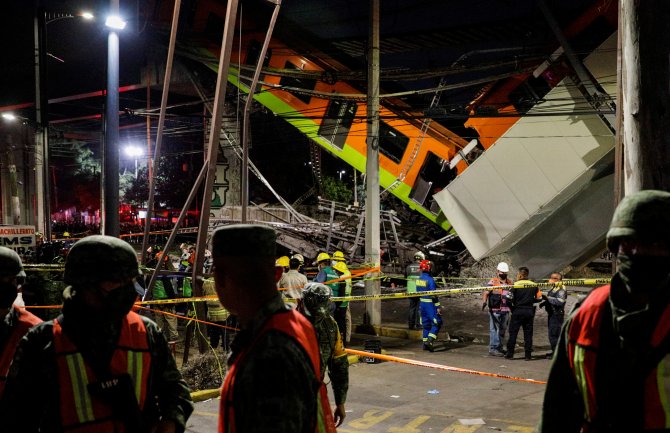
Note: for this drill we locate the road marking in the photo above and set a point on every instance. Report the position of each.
(369, 419)
(410, 427)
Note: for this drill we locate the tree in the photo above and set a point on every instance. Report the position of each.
(336, 190)
(174, 181)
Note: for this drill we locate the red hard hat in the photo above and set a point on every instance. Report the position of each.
(425, 265)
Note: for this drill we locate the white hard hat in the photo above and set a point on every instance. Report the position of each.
(503, 267)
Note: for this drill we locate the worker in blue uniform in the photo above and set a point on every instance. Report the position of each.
(431, 314)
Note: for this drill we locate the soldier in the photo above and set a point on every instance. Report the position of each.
(333, 357)
(98, 367)
(274, 376)
(610, 369)
(14, 321)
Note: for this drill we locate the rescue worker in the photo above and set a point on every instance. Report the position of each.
(431, 313)
(273, 381)
(610, 369)
(164, 290)
(218, 315)
(344, 289)
(338, 257)
(523, 313)
(554, 304)
(496, 301)
(412, 273)
(293, 283)
(98, 367)
(314, 305)
(328, 276)
(14, 321)
(280, 264)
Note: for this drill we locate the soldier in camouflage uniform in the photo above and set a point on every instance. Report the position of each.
(333, 357)
(109, 363)
(610, 369)
(273, 380)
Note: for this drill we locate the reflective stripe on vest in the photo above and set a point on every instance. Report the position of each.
(296, 326)
(583, 345)
(25, 321)
(78, 408)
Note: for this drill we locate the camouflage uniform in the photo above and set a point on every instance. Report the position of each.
(275, 379)
(329, 338)
(31, 401)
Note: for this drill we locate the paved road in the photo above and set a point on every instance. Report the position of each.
(397, 398)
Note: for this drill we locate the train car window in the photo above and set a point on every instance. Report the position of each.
(254, 51)
(337, 121)
(300, 83)
(434, 175)
(392, 143)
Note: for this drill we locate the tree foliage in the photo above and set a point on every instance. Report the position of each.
(173, 185)
(336, 190)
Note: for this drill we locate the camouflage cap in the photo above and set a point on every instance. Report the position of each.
(244, 240)
(644, 214)
(315, 297)
(10, 263)
(100, 258)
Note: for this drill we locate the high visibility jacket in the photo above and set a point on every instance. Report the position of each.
(25, 321)
(413, 274)
(583, 348)
(82, 412)
(497, 298)
(296, 326)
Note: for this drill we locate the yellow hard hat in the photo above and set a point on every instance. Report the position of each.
(338, 256)
(282, 262)
(340, 266)
(321, 257)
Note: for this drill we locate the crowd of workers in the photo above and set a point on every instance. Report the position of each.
(99, 366)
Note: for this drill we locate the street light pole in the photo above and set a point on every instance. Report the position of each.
(110, 174)
(42, 119)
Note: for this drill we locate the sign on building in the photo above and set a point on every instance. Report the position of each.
(19, 238)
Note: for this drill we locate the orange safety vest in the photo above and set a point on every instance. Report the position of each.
(82, 412)
(26, 320)
(297, 327)
(583, 347)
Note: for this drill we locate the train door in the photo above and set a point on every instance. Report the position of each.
(435, 174)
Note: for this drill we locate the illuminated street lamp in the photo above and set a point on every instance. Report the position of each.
(340, 173)
(10, 117)
(134, 152)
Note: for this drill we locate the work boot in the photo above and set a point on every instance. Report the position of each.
(428, 345)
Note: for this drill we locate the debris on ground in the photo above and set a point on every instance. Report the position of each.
(205, 371)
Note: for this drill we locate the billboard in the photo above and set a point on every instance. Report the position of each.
(19, 238)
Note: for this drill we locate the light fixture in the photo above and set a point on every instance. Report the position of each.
(9, 117)
(133, 151)
(87, 15)
(115, 22)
